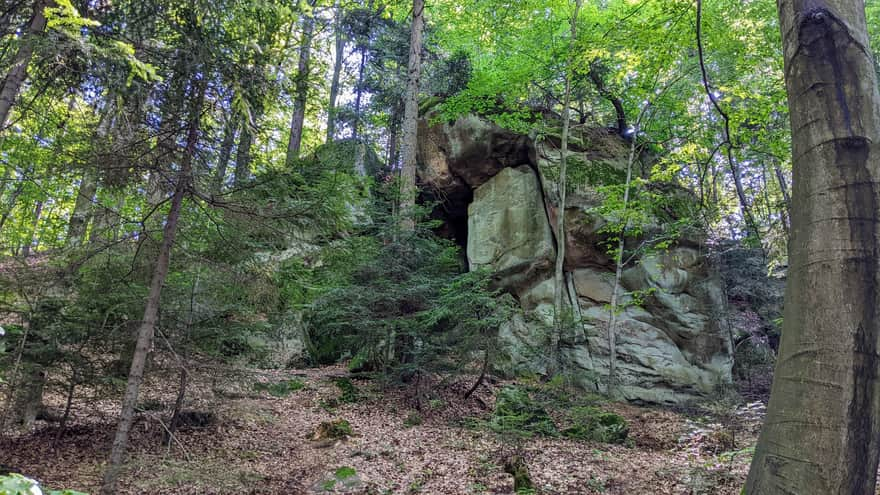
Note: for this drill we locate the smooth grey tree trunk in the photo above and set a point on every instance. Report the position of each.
(17, 74)
(302, 89)
(559, 286)
(410, 118)
(82, 208)
(822, 430)
(338, 57)
(243, 156)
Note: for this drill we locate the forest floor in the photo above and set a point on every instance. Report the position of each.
(264, 442)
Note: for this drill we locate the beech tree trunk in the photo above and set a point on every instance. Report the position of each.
(410, 119)
(358, 91)
(243, 156)
(302, 89)
(18, 72)
(151, 311)
(337, 72)
(82, 208)
(822, 431)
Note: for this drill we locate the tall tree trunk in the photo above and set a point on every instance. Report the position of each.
(394, 136)
(29, 241)
(786, 198)
(338, 57)
(822, 430)
(562, 187)
(229, 131)
(302, 89)
(18, 72)
(151, 311)
(243, 156)
(358, 92)
(411, 119)
(82, 208)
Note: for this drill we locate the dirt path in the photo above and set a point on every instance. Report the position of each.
(260, 444)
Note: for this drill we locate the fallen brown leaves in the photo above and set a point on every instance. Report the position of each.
(260, 444)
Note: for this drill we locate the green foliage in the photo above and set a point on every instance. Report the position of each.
(348, 392)
(338, 428)
(16, 484)
(516, 413)
(345, 472)
(595, 425)
(280, 389)
(414, 418)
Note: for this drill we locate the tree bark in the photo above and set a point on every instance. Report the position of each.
(786, 198)
(151, 311)
(410, 119)
(337, 72)
(822, 430)
(243, 156)
(358, 91)
(82, 208)
(562, 187)
(18, 73)
(302, 89)
(229, 131)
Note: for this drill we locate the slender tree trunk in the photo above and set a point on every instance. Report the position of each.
(338, 57)
(394, 137)
(82, 208)
(71, 388)
(358, 92)
(243, 156)
(822, 430)
(786, 198)
(18, 72)
(29, 241)
(151, 311)
(411, 118)
(562, 187)
(229, 131)
(745, 210)
(302, 89)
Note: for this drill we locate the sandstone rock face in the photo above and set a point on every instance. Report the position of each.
(673, 344)
(467, 153)
(507, 226)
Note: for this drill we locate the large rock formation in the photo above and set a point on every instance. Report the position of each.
(672, 341)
